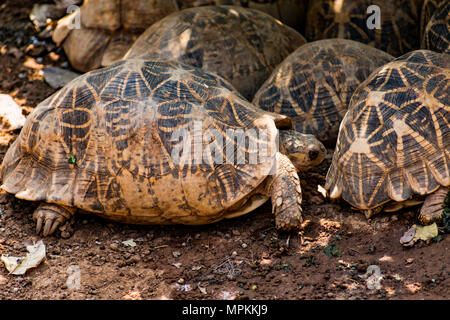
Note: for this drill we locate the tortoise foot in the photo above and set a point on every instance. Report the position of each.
(286, 195)
(433, 207)
(51, 216)
(289, 219)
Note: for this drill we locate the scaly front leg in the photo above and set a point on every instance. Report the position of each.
(286, 194)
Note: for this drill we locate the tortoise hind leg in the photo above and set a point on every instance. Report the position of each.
(51, 216)
(286, 195)
(433, 207)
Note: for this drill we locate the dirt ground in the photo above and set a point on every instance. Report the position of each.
(241, 258)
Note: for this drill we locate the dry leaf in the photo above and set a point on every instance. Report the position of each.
(20, 265)
(129, 243)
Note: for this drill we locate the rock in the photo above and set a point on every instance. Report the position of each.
(36, 50)
(11, 117)
(41, 12)
(57, 77)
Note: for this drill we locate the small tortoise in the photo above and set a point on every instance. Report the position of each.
(241, 45)
(394, 141)
(314, 84)
(436, 36)
(397, 34)
(154, 142)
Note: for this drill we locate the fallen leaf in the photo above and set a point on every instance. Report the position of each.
(426, 232)
(20, 265)
(418, 232)
(202, 290)
(129, 243)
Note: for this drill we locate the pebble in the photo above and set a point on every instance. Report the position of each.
(409, 260)
(176, 254)
(58, 77)
(180, 281)
(11, 117)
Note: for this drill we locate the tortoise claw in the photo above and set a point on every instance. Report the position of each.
(50, 217)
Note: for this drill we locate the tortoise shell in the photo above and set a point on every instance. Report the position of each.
(314, 84)
(241, 45)
(436, 36)
(108, 143)
(399, 23)
(394, 141)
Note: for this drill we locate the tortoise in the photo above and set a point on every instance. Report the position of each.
(156, 142)
(242, 45)
(398, 32)
(314, 84)
(428, 9)
(436, 36)
(108, 28)
(393, 147)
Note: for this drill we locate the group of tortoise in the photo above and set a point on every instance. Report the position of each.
(105, 142)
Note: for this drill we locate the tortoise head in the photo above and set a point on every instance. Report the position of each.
(304, 150)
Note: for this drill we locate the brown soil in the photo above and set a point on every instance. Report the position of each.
(241, 258)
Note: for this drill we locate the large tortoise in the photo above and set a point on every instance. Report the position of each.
(394, 141)
(397, 34)
(241, 45)
(314, 84)
(154, 142)
(436, 35)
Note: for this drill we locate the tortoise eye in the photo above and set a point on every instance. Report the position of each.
(313, 154)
